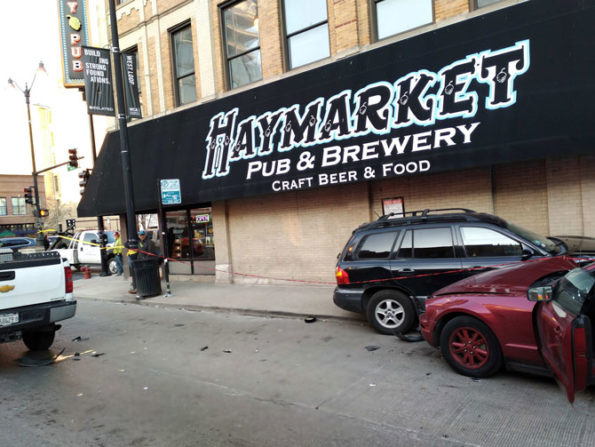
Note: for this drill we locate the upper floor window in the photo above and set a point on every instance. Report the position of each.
(183, 64)
(482, 3)
(306, 25)
(397, 16)
(242, 43)
(19, 207)
(3, 206)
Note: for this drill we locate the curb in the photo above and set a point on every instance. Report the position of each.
(242, 311)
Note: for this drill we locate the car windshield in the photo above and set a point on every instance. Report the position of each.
(539, 240)
(573, 289)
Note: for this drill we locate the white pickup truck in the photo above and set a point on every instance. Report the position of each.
(35, 293)
(82, 248)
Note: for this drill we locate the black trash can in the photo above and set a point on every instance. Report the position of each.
(146, 272)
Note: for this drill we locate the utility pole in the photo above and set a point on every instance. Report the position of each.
(132, 241)
(27, 93)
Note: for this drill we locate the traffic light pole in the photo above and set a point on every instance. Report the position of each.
(39, 223)
(124, 149)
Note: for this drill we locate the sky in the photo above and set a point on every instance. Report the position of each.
(27, 39)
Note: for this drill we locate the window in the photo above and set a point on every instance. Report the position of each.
(377, 246)
(482, 3)
(90, 238)
(397, 16)
(488, 243)
(3, 206)
(19, 207)
(306, 25)
(183, 63)
(242, 43)
(427, 243)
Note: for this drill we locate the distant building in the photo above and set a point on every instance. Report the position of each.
(16, 216)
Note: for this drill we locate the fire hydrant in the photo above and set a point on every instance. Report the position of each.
(86, 271)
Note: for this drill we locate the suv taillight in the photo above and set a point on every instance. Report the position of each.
(342, 276)
(68, 279)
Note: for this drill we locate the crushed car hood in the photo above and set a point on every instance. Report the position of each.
(578, 245)
(512, 279)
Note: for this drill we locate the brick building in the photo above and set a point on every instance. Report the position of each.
(414, 103)
(16, 216)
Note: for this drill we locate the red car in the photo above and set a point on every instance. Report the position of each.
(533, 317)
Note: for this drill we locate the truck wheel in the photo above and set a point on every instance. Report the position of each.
(390, 310)
(39, 340)
(111, 266)
(470, 347)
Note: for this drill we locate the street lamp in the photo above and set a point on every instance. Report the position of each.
(27, 93)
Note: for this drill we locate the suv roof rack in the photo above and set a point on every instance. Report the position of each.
(424, 213)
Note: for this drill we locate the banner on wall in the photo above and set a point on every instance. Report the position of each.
(99, 92)
(435, 102)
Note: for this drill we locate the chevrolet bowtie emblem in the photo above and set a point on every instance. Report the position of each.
(5, 289)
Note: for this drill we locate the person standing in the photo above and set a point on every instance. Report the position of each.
(118, 253)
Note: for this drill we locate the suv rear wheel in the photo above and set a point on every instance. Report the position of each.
(389, 311)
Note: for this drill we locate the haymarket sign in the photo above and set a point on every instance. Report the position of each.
(420, 104)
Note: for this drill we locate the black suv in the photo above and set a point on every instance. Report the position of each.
(390, 266)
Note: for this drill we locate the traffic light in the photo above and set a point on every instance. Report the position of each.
(29, 195)
(73, 160)
(83, 179)
(44, 212)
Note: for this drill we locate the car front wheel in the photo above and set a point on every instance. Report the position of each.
(390, 311)
(470, 347)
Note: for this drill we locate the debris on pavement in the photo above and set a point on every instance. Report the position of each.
(97, 354)
(372, 348)
(227, 351)
(38, 358)
(79, 338)
(310, 319)
(204, 348)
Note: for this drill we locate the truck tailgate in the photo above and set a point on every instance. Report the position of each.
(31, 282)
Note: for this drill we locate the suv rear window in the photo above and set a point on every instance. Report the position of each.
(427, 243)
(377, 246)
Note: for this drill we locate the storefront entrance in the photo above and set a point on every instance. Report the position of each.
(191, 241)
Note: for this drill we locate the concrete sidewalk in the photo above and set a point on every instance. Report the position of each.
(299, 300)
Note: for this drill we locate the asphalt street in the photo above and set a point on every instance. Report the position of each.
(154, 376)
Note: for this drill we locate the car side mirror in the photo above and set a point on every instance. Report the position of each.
(93, 241)
(540, 293)
(526, 254)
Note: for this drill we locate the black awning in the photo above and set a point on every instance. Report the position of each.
(515, 84)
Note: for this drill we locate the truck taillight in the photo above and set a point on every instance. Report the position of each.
(68, 279)
(342, 276)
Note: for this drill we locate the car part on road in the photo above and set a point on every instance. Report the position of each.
(390, 310)
(470, 347)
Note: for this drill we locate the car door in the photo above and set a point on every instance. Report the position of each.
(426, 260)
(485, 248)
(564, 331)
(88, 248)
